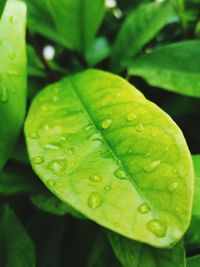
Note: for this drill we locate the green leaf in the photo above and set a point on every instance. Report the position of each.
(193, 261)
(138, 29)
(95, 141)
(73, 23)
(17, 179)
(2, 5)
(12, 76)
(16, 247)
(171, 67)
(35, 67)
(193, 234)
(48, 202)
(102, 254)
(135, 254)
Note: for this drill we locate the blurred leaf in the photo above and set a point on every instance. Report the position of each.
(73, 23)
(138, 29)
(99, 51)
(16, 247)
(48, 202)
(2, 5)
(12, 76)
(135, 254)
(173, 67)
(193, 261)
(87, 155)
(17, 179)
(102, 254)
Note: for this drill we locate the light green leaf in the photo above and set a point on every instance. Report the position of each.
(193, 261)
(138, 29)
(173, 67)
(135, 254)
(100, 146)
(102, 254)
(16, 247)
(73, 23)
(48, 202)
(12, 76)
(193, 234)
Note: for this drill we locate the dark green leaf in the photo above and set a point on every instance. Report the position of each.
(174, 67)
(2, 5)
(102, 254)
(135, 254)
(139, 28)
(193, 261)
(116, 170)
(12, 76)
(16, 247)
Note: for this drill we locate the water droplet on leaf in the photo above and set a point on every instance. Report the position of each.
(107, 188)
(172, 187)
(3, 94)
(152, 166)
(144, 208)
(119, 173)
(58, 165)
(94, 200)
(95, 178)
(139, 128)
(38, 160)
(51, 183)
(71, 150)
(106, 123)
(157, 227)
(33, 135)
(131, 116)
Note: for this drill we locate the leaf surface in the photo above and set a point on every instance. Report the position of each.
(16, 247)
(135, 254)
(100, 146)
(138, 29)
(193, 261)
(12, 76)
(173, 67)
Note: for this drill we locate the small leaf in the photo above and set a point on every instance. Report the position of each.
(135, 254)
(12, 76)
(95, 141)
(193, 261)
(171, 67)
(138, 29)
(17, 249)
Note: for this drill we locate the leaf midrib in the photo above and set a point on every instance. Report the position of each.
(107, 145)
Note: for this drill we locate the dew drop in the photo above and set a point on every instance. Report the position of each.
(33, 135)
(94, 200)
(107, 188)
(52, 146)
(131, 116)
(106, 124)
(152, 166)
(119, 173)
(172, 187)
(147, 155)
(12, 73)
(12, 19)
(139, 128)
(38, 160)
(88, 127)
(144, 208)
(51, 183)
(71, 150)
(58, 166)
(12, 56)
(157, 227)
(3, 94)
(130, 151)
(95, 178)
